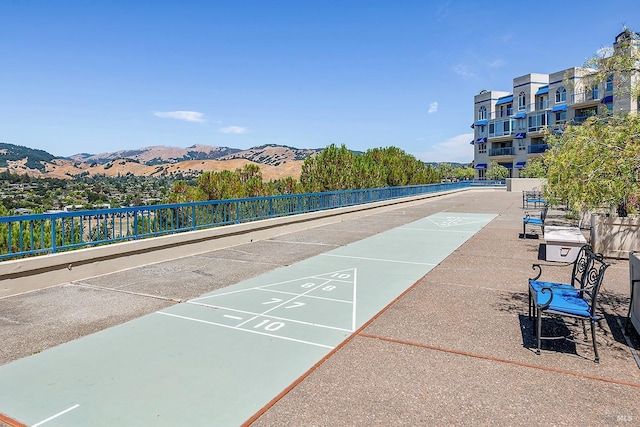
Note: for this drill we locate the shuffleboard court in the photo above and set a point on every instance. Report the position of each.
(220, 358)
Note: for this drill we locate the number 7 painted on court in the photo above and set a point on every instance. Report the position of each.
(277, 300)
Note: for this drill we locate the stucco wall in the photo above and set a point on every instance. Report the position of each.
(525, 184)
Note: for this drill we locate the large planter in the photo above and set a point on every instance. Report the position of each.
(615, 237)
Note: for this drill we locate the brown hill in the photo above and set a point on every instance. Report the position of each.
(60, 168)
(275, 161)
(270, 154)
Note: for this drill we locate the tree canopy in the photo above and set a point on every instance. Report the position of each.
(338, 168)
(596, 164)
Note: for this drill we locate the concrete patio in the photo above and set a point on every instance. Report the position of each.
(456, 349)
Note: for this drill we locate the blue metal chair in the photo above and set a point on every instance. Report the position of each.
(530, 219)
(575, 283)
(577, 303)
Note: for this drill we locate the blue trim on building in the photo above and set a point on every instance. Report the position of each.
(505, 100)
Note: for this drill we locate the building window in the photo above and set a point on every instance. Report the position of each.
(522, 101)
(560, 117)
(537, 121)
(482, 130)
(561, 94)
(482, 148)
(522, 124)
(542, 103)
(609, 86)
(522, 144)
(482, 113)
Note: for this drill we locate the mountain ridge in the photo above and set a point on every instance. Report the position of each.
(275, 161)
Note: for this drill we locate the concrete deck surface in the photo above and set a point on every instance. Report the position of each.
(456, 349)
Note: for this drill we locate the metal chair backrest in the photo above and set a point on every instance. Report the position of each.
(581, 266)
(592, 280)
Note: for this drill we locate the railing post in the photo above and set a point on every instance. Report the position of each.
(53, 235)
(135, 225)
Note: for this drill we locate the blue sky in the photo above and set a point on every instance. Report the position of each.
(103, 76)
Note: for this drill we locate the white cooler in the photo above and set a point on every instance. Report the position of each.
(563, 243)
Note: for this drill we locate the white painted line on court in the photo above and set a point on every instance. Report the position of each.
(454, 221)
(306, 296)
(355, 306)
(301, 322)
(303, 243)
(379, 259)
(56, 416)
(233, 317)
(317, 276)
(431, 229)
(246, 330)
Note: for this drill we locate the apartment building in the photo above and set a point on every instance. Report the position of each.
(509, 126)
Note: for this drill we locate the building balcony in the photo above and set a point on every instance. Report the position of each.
(580, 120)
(508, 112)
(587, 97)
(503, 151)
(537, 148)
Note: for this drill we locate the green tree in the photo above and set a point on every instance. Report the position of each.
(497, 171)
(220, 185)
(535, 168)
(339, 169)
(446, 170)
(620, 64)
(464, 173)
(287, 185)
(596, 164)
(329, 170)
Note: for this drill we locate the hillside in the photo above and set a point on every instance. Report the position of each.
(270, 154)
(275, 161)
(27, 157)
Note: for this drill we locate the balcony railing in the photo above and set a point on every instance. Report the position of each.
(537, 148)
(507, 112)
(502, 128)
(504, 151)
(580, 120)
(35, 234)
(511, 112)
(592, 95)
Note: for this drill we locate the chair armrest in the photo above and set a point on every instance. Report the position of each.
(539, 267)
(548, 302)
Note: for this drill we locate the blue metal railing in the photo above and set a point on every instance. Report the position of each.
(29, 235)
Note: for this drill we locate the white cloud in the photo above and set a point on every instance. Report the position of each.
(463, 70)
(497, 63)
(433, 107)
(456, 149)
(234, 129)
(187, 116)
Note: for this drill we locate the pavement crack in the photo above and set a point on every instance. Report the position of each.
(142, 294)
